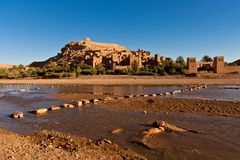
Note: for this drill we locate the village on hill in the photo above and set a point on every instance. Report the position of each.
(86, 57)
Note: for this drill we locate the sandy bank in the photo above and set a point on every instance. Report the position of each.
(163, 104)
(129, 80)
(53, 145)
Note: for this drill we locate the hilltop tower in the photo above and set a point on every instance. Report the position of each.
(87, 40)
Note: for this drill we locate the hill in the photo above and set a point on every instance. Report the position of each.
(111, 56)
(235, 63)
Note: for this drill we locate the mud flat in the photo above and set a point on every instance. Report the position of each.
(178, 105)
(166, 105)
(53, 145)
(131, 80)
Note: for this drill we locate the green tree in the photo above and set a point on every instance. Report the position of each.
(180, 61)
(21, 66)
(65, 67)
(100, 69)
(206, 58)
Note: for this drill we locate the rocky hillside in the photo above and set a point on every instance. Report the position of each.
(76, 52)
(235, 63)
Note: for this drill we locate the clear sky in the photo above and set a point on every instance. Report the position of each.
(34, 30)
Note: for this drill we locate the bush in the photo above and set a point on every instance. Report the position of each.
(88, 72)
(52, 75)
(191, 75)
(68, 75)
(144, 73)
(100, 69)
(110, 72)
(121, 71)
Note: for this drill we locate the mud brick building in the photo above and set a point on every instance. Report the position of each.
(111, 56)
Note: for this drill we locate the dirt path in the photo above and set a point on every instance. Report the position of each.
(129, 80)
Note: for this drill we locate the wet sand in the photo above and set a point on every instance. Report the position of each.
(131, 80)
(164, 105)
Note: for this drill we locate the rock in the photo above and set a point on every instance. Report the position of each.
(145, 112)
(22, 90)
(166, 93)
(17, 115)
(103, 141)
(153, 95)
(67, 105)
(94, 101)
(107, 99)
(128, 96)
(41, 111)
(117, 131)
(204, 86)
(184, 90)
(78, 103)
(167, 126)
(144, 95)
(153, 131)
(177, 91)
(119, 98)
(137, 95)
(54, 108)
(85, 101)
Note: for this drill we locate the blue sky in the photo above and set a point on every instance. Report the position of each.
(34, 30)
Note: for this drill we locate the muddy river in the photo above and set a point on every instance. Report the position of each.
(94, 121)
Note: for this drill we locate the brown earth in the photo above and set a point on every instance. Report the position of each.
(132, 80)
(164, 104)
(53, 145)
(177, 105)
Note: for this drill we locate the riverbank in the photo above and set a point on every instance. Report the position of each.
(131, 80)
(53, 145)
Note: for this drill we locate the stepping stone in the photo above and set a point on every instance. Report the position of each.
(78, 103)
(67, 106)
(54, 108)
(85, 101)
(94, 101)
(41, 111)
(17, 115)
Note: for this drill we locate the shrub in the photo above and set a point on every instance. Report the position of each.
(121, 71)
(52, 75)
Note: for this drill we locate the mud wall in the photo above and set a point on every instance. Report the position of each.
(229, 69)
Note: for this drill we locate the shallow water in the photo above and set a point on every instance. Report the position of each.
(96, 121)
(216, 92)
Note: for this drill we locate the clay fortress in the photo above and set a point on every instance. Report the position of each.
(113, 56)
(218, 65)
